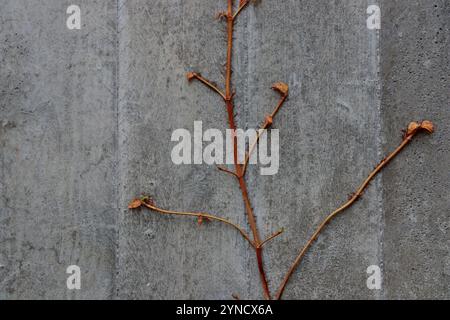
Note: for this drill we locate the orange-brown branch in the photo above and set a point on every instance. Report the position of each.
(137, 203)
(242, 184)
(273, 236)
(242, 5)
(193, 75)
(267, 123)
(227, 171)
(412, 130)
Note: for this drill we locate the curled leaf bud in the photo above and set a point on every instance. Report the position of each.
(136, 203)
(427, 126)
(202, 219)
(412, 128)
(191, 75)
(282, 88)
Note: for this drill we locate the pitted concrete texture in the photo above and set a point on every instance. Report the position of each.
(86, 118)
(58, 143)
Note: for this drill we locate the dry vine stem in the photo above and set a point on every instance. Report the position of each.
(240, 169)
(413, 129)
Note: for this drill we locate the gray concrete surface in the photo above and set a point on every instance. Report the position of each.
(86, 119)
(416, 189)
(58, 137)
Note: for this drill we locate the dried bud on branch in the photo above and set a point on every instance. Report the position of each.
(136, 203)
(191, 76)
(427, 126)
(202, 219)
(282, 88)
(414, 127)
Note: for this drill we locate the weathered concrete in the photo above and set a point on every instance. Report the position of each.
(328, 128)
(161, 257)
(57, 149)
(416, 188)
(76, 145)
(328, 140)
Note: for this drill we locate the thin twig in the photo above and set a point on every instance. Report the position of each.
(414, 128)
(227, 171)
(209, 84)
(276, 234)
(241, 7)
(267, 124)
(197, 215)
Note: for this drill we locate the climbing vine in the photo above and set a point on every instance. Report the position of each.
(256, 242)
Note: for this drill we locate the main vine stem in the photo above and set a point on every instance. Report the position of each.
(229, 100)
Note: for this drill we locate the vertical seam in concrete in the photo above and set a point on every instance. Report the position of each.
(380, 293)
(117, 159)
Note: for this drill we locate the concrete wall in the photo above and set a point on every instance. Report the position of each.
(416, 189)
(58, 141)
(86, 118)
